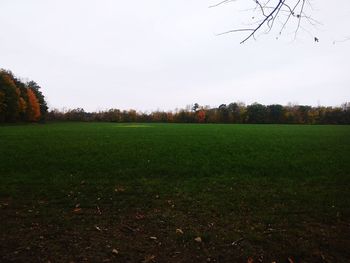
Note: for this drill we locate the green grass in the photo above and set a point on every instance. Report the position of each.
(281, 190)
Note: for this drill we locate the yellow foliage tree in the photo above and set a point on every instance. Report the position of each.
(22, 105)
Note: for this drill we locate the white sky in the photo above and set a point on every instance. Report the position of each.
(164, 54)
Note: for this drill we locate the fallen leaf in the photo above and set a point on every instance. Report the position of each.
(119, 189)
(140, 216)
(153, 238)
(115, 252)
(97, 228)
(198, 239)
(250, 260)
(77, 210)
(179, 231)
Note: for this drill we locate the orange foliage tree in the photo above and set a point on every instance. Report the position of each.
(34, 106)
(201, 116)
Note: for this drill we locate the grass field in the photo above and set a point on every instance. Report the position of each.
(76, 191)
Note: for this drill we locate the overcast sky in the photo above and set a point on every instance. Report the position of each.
(164, 54)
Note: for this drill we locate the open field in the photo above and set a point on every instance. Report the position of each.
(76, 191)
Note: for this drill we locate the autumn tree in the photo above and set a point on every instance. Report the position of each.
(10, 97)
(20, 101)
(39, 95)
(23, 100)
(170, 117)
(34, 106)
(112, 115)
(201, 116)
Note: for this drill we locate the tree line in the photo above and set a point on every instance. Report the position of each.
(20, 101)
(235, 112)
(24, 101)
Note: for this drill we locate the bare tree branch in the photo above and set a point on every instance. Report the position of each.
(271, 11)
(222, 2)
(342, 40)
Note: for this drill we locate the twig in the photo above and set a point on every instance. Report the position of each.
(235, 243)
